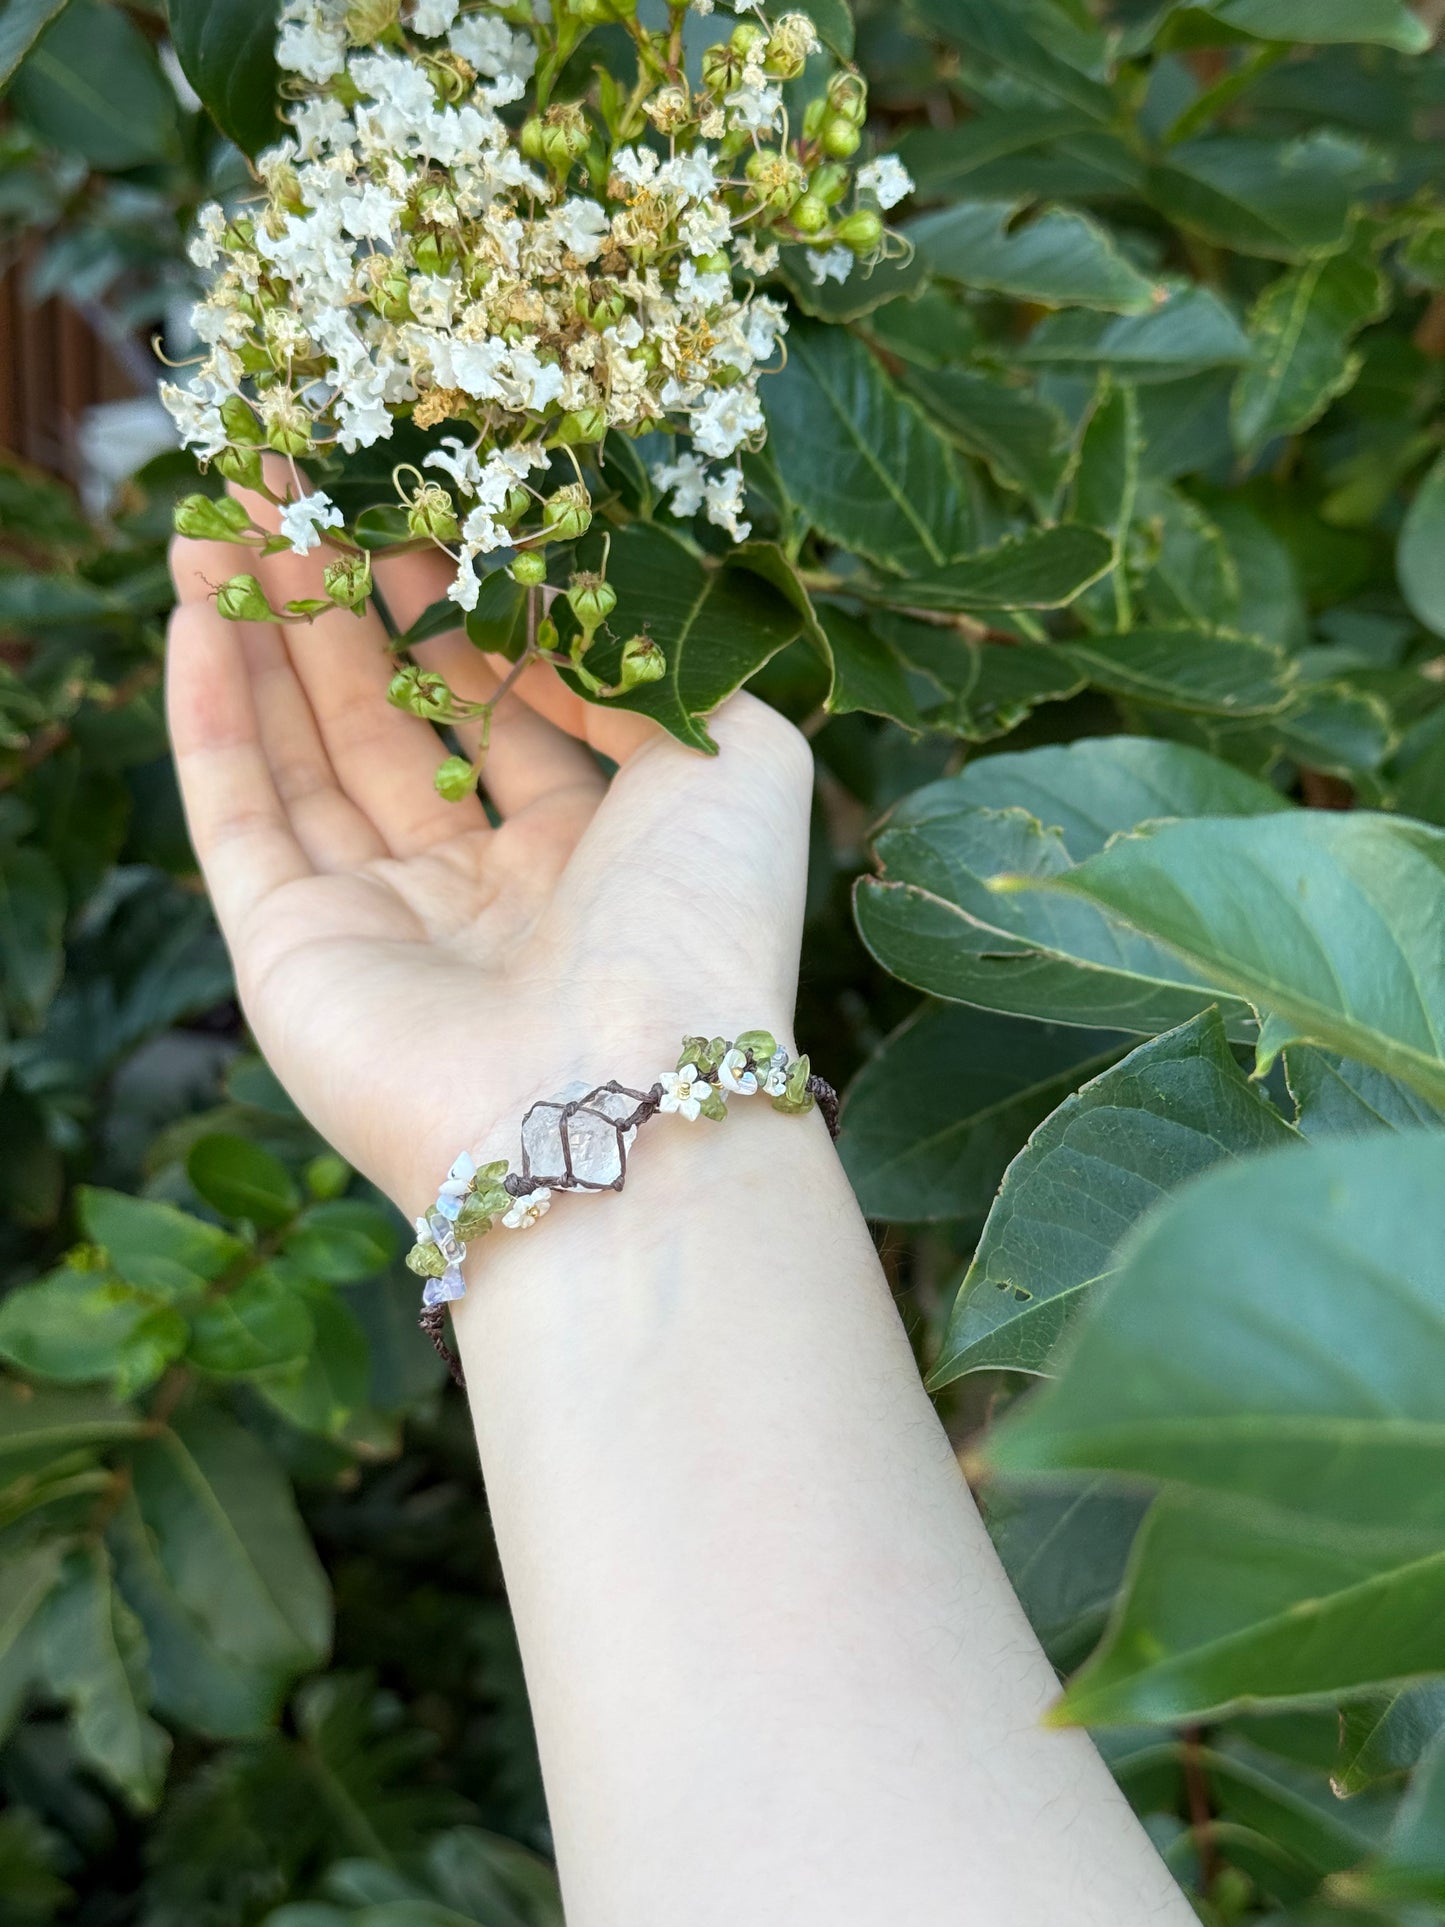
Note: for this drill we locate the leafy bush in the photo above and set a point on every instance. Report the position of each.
(1098, 544)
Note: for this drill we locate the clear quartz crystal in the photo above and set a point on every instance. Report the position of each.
(593, 1138)
(440, 1291)
(448, 1242)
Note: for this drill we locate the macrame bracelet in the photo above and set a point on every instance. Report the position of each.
(579, 1141)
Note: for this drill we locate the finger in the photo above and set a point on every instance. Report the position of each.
(528, 757)
(385, 760)
(330, 828)
(239, 827)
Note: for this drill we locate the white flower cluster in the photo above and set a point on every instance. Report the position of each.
(418, 255)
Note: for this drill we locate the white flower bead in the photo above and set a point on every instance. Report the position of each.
(683, 1091)
(733, 1074)
(525, 1212)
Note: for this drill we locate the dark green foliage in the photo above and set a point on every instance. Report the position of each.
(1098, 543)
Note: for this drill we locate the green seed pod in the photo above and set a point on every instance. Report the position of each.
(792, 39)
(814, 115)
(592, 600)
(841, 139)
(421, 692)
(642, 661)
(218, 518)
(289, 429)
(456, 779)
(862, 230)
(241, 466)
(848, 98)
(565, 136)
(811, 215)
(436, 205)
(721, 70)
(747, 38)
(433, 254)
(433, 513)
(516, 505)
(347, 580)
(579, 428)
(547, 636)
(568, 513)
(242, 599)
(530, 568)
(830, 182)
(238, 418)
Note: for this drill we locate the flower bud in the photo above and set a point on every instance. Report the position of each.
(568, 513)
(565, 136)
(862, 230)
(810, 216)
(830, 182)
(841, 138)
(592, 600)
(433, 513)
(530, 138)
(579, 427)
(218, 518)
(530, 568)
(642, 661)
(348, 580)
(238, 419)
(367, 20)
(423, 693)
(455, 779)
(242, 599)
(848, 98)
(722, 69)
(242, 466)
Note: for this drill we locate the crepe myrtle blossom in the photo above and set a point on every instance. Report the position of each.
(518, 288)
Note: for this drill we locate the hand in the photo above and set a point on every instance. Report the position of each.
(414, 976)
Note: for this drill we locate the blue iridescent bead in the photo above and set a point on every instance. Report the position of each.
(441, 1291)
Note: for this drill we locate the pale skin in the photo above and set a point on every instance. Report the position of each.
(777, 1673)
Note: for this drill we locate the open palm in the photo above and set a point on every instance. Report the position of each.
(414, 974)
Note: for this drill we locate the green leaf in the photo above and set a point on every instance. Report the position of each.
(27, 1580)
(1421, 556)
(23, 23)
(1058, 258)
(1211, 671)
(1040, 569)
(42, 1423)
(866, 289)
(224, 1533)
(32, 929)
(990, 686)
(94, 1657)
(1285, 200)
(341, 1241)
(934, 920)
(1326, 921)
(1412, 1866)
(154, 1246)
(335, 1378)
(867, 675)
(1338, 1097)
(1232, 1603)
(1192, 330)
(92, 86)
(1009, 37)
(1385, 1734)
(943, 160)
(79, 1326)
(860, 460)
(1173, 1108)
(717, 626)
(261, 1325)
(1380, 23)
(1023, 438)
(1271, 1334)
(1302, 326)
(934, 1116)
(242, 1180)
(227, 52)
(1063, 1545)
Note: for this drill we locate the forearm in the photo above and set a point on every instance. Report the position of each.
(776, 1670)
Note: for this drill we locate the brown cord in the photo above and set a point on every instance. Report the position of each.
(433, 1320)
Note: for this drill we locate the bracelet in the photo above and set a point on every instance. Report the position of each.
(580, 1140)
